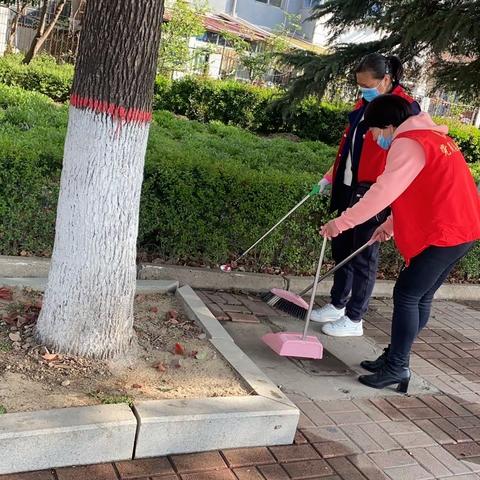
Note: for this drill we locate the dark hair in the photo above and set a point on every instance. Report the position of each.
(380, 65)
(387, 110)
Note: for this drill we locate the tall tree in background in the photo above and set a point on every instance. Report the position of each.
(185, 22)
(88, 304)
(20, 9)
(445, 32)
(44, 28)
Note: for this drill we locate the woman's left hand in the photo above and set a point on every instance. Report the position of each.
(330, 230)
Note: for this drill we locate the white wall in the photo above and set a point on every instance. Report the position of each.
(4, 23)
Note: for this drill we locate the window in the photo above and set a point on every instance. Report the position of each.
(274, 3)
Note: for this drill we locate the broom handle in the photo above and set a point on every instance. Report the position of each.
(299, 204)
(315, 283)
(338, 266)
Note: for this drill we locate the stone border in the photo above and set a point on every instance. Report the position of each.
(103, 433)
(207, 278)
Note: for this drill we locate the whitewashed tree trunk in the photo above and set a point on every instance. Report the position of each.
(88, 304)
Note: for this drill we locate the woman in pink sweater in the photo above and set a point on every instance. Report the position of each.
(435, 220)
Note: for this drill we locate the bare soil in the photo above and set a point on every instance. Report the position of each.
(170, 358)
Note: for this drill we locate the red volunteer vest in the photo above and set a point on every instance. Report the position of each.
(441, 207)
(372, 158)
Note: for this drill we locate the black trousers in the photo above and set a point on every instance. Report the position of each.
(413, 295)
(353, 284)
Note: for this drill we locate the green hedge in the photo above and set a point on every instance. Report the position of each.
(232, 103)
(209, 191)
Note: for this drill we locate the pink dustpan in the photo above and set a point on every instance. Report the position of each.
(293, 344)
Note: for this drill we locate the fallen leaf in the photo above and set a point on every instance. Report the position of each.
(65, 383)
(6, 294)
(202, 336)
(176, 363)
(154, 309)
(21, 321)
(15, 337)
(136, 385)
(172, 314)
(203, 355)
(50, 357)
(160, 367)
(179, 350)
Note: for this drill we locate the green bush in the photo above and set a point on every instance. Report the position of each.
(42, 75)
(467, 138)
(209, 191)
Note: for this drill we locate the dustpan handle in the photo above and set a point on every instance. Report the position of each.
(315, 284)
(338, 266)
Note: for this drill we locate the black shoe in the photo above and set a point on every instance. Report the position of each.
(376, 365)
(388, 375)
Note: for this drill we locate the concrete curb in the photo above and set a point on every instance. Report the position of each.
(65, 437)
(206, 278)
(84, 435)
(143, 286)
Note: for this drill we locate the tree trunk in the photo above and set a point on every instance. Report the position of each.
(88, 303)
(42, 32)
(13, 27)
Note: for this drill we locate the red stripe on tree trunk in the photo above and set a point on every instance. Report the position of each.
(121, 113)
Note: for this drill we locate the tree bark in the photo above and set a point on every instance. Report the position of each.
(13, 27)
(42, 32)
(88, 303)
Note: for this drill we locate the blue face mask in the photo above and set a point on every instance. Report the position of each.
(369, 93)
(384, 142)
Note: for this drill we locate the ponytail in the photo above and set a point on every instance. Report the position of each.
(379, 66)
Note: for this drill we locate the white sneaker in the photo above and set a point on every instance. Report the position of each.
(344, 327)
(328, 313)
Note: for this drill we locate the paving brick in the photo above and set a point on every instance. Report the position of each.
(452, 404)
(314, 413)
(308, 469)
(389, 410)
(243, 317)
(395, 458)
(362, 439)
(367, 467)
(197, 462)
(338, 406)
(435, 432)
(144, 468)
(429, 462)
(473, 408)
(400, 427)
(259, 308)
(369, 409)
(464, 450)
(43, 475)
(236, 308)
(349, 418)
(412, 472)
(465, 422)
(336, 449)
(299, 438)
(274, 472)
(345, 468)
(437, 406)
(380, 436)
(420, 413)
(163, 477)
(291, 453)
(305, 422)
(451, 430)
(211, 475)
(443, 456)
(324, 434)
(230, 299)
(473, 433)
(218, 312)
(97, 472)
(244, 457)
(411, 441)
(247, 473)
(405, 402)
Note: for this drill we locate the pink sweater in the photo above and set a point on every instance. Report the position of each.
(405, 161)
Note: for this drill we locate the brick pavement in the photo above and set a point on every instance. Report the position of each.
(392, 438)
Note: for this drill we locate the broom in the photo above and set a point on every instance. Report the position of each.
(294, 304)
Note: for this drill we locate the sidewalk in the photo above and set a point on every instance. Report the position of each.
(359, 435)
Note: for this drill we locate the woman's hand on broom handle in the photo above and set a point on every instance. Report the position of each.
(330, 230)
